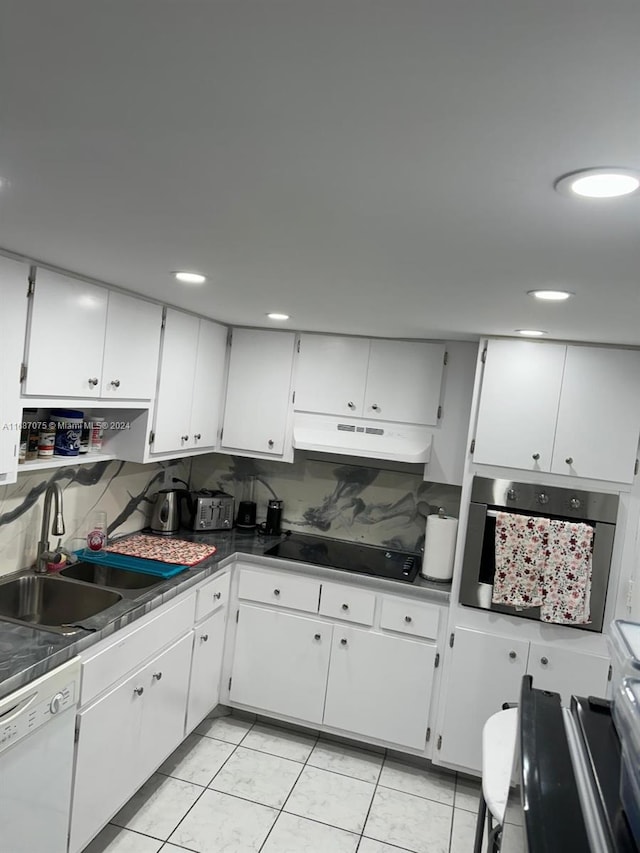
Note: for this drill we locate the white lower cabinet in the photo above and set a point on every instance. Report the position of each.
(486, 670)
(206, 667)
(380, 686)
(280, 662)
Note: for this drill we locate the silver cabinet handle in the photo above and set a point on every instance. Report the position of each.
(408, 619)
(157, 676)
(512, 655)
(184, 437)
(93, 381)
(270, 442)
(138, 691)
(345, 606)
(544, 661)
(217, 596)
(569, 460)
(343, 642)
(115, 383)
(276, 592)
(351, 405)
(317, 636)
(375, 407)
(204, 638)
(198, 436)
(535, 456)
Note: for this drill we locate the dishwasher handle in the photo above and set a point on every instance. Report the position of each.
(15, 710)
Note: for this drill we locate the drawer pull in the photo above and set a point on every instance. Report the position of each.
(317, 637)
(204, 638)
(115, 383)
(351, 405)
(271, 442)
(544, 661)
(276, 592)
(512, 655)
(157, 676)
(217, 596)
(569, 460)
(408, 619)
(535, 456)
(138, 691)
(184, 437)
(198, 436)
(93, 381)
(345, 606)
(343, 642)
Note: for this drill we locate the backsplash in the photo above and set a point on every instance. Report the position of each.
(357, 503)
(123, 490)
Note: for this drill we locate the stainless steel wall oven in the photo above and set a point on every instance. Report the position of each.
(490, 497)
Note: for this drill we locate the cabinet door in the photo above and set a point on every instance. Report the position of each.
(206, 666)
(66, 339)
(519, 404)
(280, 663)
(403, 381)
(599, 415)
(106, 771)
(568, 672)
(13, 286)
(380, 686)
(258, 391)
(166, 684)
(331, 375)
(131, 348)
(206, 409)
(175, 388)
(483, 672)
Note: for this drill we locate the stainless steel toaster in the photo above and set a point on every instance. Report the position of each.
(212, 510)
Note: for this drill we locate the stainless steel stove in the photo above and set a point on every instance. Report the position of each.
(349, 556)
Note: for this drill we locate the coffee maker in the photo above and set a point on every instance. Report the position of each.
(273, 524)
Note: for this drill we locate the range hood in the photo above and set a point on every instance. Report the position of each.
(358, 437)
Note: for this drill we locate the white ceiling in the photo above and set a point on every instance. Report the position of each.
(379, 167)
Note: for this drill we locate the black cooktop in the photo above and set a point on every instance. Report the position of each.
(364, 559)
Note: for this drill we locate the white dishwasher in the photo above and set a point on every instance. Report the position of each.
(37, 724)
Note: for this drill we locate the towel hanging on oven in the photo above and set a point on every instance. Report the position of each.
(520, 554)
(566, 580)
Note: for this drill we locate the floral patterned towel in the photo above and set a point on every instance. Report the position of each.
(166, 550)
(520, 554)
(566, 579)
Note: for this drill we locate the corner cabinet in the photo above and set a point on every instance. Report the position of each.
(258, 405)
(571, 410)
(188, 405)
(113, 341)
(378, 379)
(13, 317)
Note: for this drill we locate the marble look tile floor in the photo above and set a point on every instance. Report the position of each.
(235, 786)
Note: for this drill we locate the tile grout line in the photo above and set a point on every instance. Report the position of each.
(373, 796)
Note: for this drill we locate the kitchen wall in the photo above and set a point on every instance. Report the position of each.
(345, 501)
(123, 490)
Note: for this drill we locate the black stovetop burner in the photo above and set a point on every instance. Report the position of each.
(363, 559)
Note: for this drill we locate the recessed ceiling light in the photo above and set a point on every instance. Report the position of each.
(190, 277)
(275, 316)
(531, 333)
(605, 182)
(551, 295)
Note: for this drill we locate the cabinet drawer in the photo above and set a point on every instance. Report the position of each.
(129, 649)
(212, 596)
(410, 617)
(344, 602)
(284, 590)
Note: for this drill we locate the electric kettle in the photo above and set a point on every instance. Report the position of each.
(168, 512)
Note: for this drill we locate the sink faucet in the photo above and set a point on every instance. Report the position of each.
(44, 555)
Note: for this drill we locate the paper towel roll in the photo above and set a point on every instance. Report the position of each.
(439, 548)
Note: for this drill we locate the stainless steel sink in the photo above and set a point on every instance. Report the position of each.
(52, 604)
(109, 576)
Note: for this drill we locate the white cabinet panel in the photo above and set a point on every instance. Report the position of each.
(258, 399)
(280, 663)
(519, 404)
(568, 672)
(282, 589)
(483, 672)
(332, 373)
(77, 311)
(206, 667)
(380, 686)
(206, 408)
(131, 348)
(175, 389)
(346, 602)
(13, 316)
(212, 596)
(410, 617)
(403, 381)
(599, 414)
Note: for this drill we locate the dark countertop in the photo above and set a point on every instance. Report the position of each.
(27, 653)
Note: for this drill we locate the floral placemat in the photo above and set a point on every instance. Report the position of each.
(165, 550)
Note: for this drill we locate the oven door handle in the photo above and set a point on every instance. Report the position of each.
(473, 553)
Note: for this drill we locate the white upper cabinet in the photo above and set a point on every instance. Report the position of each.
(112, 341)
(66, 338)
(381, 379)
(131, 348)
(189, 391)
(258, 402)
(563, 409)
(13, 317)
